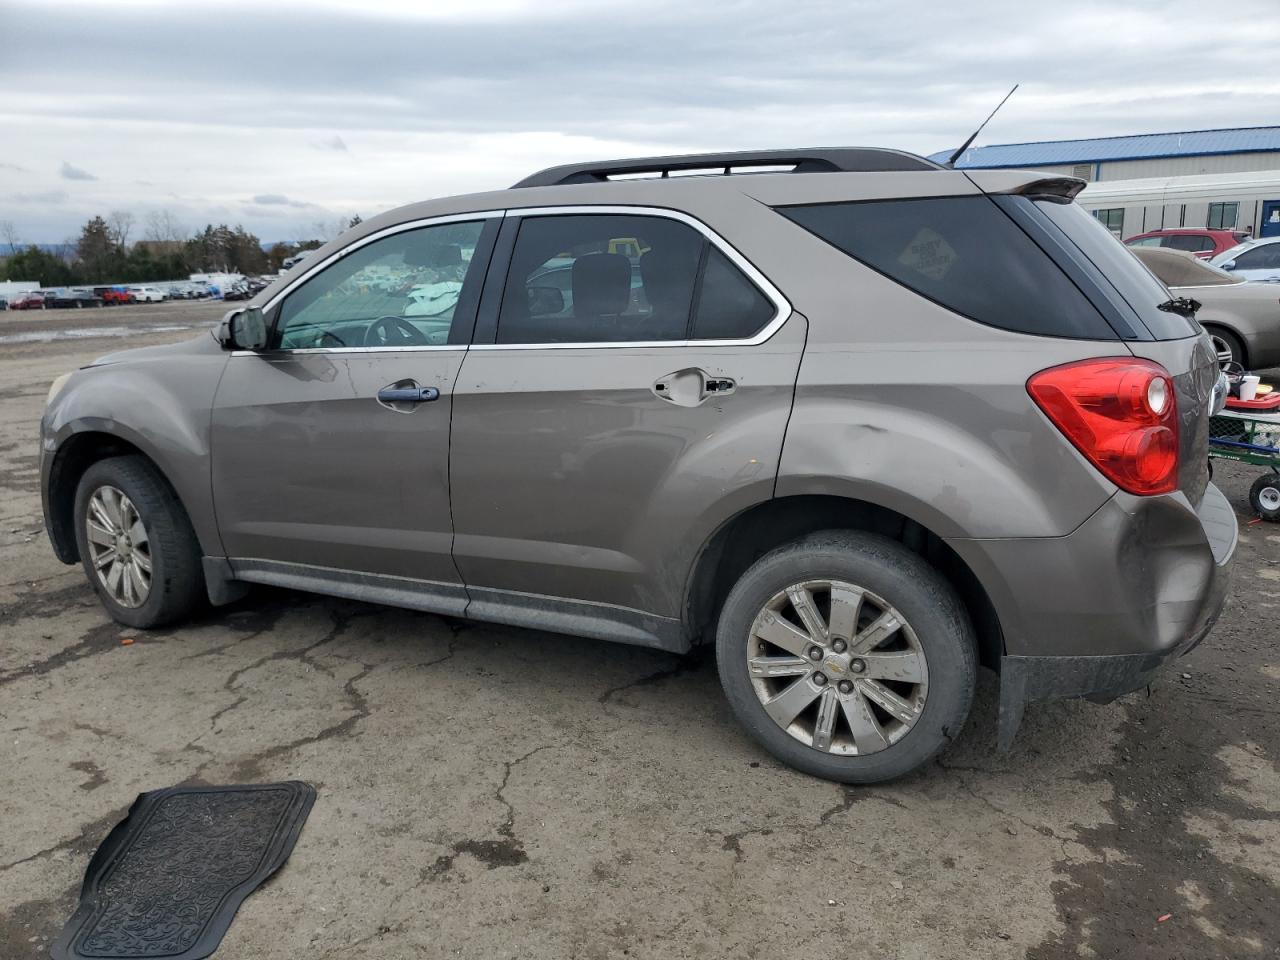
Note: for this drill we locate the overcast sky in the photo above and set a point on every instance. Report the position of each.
(279, 115)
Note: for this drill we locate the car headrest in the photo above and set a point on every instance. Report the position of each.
(601, 284)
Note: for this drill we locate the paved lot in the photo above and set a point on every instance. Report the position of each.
(489, 792)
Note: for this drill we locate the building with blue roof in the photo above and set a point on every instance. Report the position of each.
(1187, 179)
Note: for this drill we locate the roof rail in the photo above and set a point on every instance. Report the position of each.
(810, 160)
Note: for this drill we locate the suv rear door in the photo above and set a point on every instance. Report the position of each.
(627, 391)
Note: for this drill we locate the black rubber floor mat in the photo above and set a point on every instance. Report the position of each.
(169, 878)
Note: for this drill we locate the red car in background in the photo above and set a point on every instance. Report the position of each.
(1203, 243)
(112, 295)
(27, 301)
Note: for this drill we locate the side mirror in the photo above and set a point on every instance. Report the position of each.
(243, 329)
(545, 301)
(1229, 265)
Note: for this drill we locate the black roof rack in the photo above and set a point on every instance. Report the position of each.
(814, 160)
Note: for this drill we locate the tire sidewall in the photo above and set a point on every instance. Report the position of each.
(109, 473)
(902, 579)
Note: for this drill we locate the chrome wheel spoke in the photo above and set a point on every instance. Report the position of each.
(100, 513)
(114, 574)
(868, 736)
(773, 629)
(137, 532)
(907, 666)
(880, 629)
(105, 557)
(824, 728)
(143, 561)
(846, 604)
(802, 600)
(786, 706)
(779, 666)
(888, 701)
(99, 534)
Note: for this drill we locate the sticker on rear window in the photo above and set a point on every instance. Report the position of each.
(929, 253)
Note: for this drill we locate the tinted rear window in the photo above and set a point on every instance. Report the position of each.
(1134, 282)
(965, 254)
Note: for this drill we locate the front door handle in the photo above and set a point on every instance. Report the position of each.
(406, 393)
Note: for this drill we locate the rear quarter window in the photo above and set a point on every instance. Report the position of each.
(964, 253)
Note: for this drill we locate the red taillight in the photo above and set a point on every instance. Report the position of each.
(1121, 414)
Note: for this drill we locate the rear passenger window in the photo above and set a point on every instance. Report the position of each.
(963, 253)
(730, 307)
(618, 278)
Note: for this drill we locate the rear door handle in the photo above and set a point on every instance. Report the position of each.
(691, 386)
(415, 394)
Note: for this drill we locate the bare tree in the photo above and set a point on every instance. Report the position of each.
(9, 232)
(163, 231)
(119, 223)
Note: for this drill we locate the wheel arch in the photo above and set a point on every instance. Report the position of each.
(75, 454)
(749, 534)
(1219, 322)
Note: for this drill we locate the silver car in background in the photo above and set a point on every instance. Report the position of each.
(1243, 318)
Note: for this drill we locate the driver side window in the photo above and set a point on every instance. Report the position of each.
(400, 291)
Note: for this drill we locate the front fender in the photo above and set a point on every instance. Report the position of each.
(157, 403)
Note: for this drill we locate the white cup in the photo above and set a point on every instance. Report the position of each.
(1249, 386)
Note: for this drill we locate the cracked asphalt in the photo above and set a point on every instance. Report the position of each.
(490, 792)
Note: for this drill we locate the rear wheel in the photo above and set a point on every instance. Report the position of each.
(1264, 496)
(1226, 345)
(847, 657)
(136, 543)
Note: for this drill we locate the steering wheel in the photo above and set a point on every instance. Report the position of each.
(391, 331)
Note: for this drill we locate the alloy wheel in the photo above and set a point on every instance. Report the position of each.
(837, 667)
(119, 546)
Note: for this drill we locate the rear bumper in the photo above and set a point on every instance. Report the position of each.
(1098, 613)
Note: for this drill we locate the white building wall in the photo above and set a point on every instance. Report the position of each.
(1188, 166)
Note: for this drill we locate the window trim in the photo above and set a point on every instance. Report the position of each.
(782, 307)
(321, 265)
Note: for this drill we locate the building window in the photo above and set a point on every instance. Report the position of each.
(1222, 216)
(1112, 219)
(1083, 171)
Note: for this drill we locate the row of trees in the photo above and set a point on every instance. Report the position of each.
(103, 253)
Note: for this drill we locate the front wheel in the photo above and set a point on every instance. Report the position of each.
(1264, 496)
(847, 656)
(136, 543)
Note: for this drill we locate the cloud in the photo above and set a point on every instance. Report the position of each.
(68, 172)
(442, 97)
(46, 197)
(278, 200)
(14, 167)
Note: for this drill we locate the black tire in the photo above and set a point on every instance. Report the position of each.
(1264, 496)
(177, 576)
(909, 584)
(1223, 340)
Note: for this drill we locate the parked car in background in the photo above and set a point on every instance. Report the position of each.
(1253, 260)
(148, 294)
(238, 290)
(848, 443)
(28, 301)
(114, 295)
(73, 298)
(1242, 318)
(4, 303)
(1201, 243)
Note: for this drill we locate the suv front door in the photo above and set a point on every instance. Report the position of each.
(330, 449)
(627, 391)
